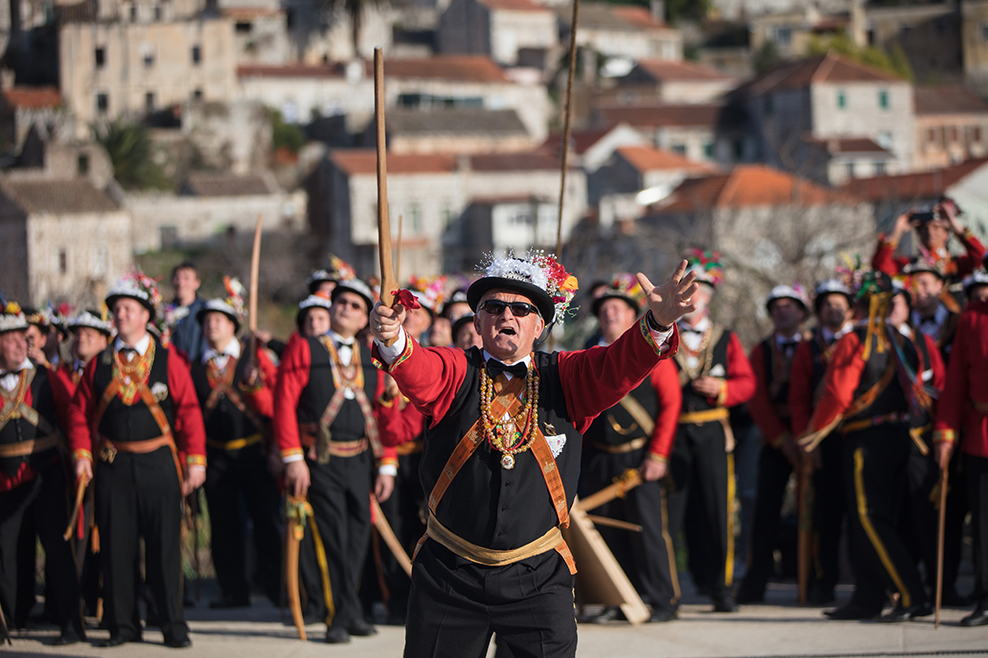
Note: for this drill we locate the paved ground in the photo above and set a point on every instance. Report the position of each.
(777, 629)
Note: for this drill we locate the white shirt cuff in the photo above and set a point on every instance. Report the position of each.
(292, 458)
(388, 469)
(390, 354)
(661, 338)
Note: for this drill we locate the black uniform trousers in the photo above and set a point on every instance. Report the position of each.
(703, 475)
(829, 507)
(234, 475)
(44, 500)
(340, 497)
(774, 470)
(647, 557)
(456, 605)
(139, 495)
(976, 471)
(876, 461)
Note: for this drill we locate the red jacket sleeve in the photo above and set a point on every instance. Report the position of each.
(801, 388)
(62, 390)
(974, 253)
(82, 410)
(429, 377)
(884, 259)
(293, 375)
(842, 379)
(665, 383)
(740, 386)
(939, 377)
(763, 412)
(189, 428)
(596, 379)
(262, 400)
(401, 427)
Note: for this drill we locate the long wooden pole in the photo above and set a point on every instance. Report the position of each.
(401, 222)
(940, 531)
(388, 283)
(567, 128)
(255, 268)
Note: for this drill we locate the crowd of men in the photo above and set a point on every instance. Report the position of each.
(871, 394)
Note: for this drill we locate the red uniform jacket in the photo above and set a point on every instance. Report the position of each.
(740, 383)
(665, 382)
(293, 375)
(190, 435)
(406, 425)
(885, 260)
(761, 407)
(967, 382)
(801, 390)
(593, 380)
(262, 399)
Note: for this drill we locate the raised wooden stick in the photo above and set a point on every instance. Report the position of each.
(622, 484)
(401, 222)
(255, 268)
(614, 523)
(79, 494)
(940, 531)
(566, 124)
(388, 283)
(388, 535)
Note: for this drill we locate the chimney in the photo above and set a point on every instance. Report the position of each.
(658, 9)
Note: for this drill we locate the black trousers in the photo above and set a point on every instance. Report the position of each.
(876, 462)
(976, 470)
(139, 495)
(703, 476)
(233, 476)
(829, 507)
(44, 500)
(647, 557)
(456, 605)
(774, 470)
(340, 497)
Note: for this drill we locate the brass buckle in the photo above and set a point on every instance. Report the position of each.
(108, 453)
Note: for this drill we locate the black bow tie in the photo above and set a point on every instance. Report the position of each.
(345, 343)
(128, 350)
(495, 368)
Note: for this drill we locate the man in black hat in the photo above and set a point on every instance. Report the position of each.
(32, 478)
(235, 390)
(502, 455)
(326, 414)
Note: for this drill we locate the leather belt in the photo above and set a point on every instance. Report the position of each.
(620, 449)
(489, 557)
(894, 417)
(709, 415)
(25, 448)
(338, 448)
(410, 448)
(109, 449)
(236, 444)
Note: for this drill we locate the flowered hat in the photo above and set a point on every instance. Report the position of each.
(338, 270)
(231, 306)
(794, 292)
(625, 287)
(11, 317)
(707, 266)
(93, 320)
(137, 286)
(428, 291)
(538, 276)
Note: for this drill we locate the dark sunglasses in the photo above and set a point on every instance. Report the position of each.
(518, 309)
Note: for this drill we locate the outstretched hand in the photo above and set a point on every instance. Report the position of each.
(671, 300)
(385, 323)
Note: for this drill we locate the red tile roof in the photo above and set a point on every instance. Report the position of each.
(580, 141)
(290, 71)
(533, 161)
(906, 187)
(513, 5)
(250, 13)
(654, 116)
(950, 99)
(831, 68)
(32, 98)
(356, 162)
(747, 186)
(637, 16)
(850, 145)
(647, 158)
(660, 69)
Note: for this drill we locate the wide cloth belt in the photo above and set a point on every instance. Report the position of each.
(620, 449)
(410, 448)
(236, 444)
(487, 556)
(709, 415)
(980, 407)
(855, 426)
(337, 448)
(109, 449)
(25, 448)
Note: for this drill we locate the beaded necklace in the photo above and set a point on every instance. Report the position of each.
(503, 434)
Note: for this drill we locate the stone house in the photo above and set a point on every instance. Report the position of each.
(661, 81)
(261, 33)
(590, 149)
(693, 131)
(459, 130)
(622, 31)
(24, 108)
(834, 161)
(61, 240)
(951, 126)
(511, 32)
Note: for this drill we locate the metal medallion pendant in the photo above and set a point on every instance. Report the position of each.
(507, 462)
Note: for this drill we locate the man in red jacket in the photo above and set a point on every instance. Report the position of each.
(136, 412)
(502, 455)
(771, 360)
(636, 433)
(962, 418)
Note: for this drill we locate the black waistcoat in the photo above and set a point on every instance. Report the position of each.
(778, 389)
(603, 429)
(121, 422)
(18, 429)
(693, 401)
(892, 399)
(486, 504)
(225, 422)
(820, 353)
(349, 423)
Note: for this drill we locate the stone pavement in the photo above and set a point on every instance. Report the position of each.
(777, 629)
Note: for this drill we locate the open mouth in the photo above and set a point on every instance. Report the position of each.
(507, 331)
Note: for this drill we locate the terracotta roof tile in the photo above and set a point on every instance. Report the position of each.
(747, 186)
(661, 69)
(70, 197)
(908, 187)
(250, 13)
(214, 185)
(647, 158)
(32, 98)
(654, 116)
(815, 70)
(952, 99)
(637, 16)
(849, 145)
(606, 16)
(513, 5)
(291, 71)
(355, 162)
(533, 161)
(464, 68)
